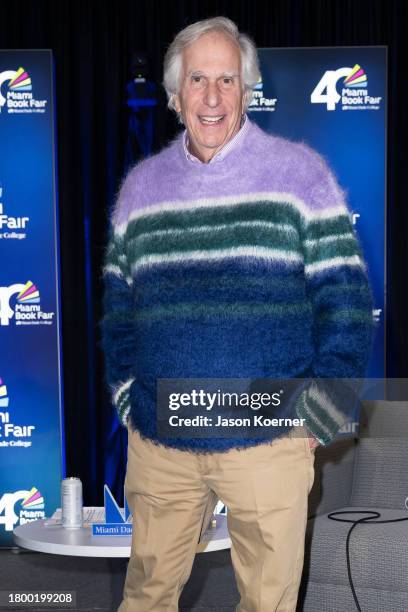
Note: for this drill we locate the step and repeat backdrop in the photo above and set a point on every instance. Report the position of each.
(334, 99)
(31, 461)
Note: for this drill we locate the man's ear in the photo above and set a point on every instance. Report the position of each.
(176, 103)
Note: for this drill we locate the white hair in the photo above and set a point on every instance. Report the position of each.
(250, 73)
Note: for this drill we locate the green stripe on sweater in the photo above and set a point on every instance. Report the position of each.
(354, 315)
(320, 228)
(275, 212)
(219, 283)
(209, 241)
(223, 309)
(341, 247)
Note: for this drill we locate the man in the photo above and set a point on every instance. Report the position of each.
(232, 256)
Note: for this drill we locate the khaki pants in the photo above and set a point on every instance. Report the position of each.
(265, 489)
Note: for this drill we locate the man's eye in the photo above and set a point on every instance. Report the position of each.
(196, 79)
(227, 81)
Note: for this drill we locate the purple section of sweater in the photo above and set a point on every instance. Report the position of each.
(259, 163)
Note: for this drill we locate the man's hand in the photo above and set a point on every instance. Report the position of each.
(313, 443)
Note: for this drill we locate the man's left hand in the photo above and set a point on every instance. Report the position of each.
(313, 443)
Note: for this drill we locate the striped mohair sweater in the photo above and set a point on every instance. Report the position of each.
(246, 267)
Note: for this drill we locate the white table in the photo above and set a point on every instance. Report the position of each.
(80, 542)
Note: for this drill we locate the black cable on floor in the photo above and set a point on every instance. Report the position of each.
(374, 515)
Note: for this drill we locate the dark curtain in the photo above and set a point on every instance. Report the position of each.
(92, 43)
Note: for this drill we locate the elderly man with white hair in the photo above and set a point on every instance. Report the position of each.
(232, 256)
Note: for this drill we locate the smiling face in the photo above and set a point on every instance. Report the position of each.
(211, 96)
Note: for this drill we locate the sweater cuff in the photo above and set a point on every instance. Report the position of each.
(121, 400)
(320, 415)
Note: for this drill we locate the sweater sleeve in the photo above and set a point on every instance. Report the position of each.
(338, 289)
(118, 334)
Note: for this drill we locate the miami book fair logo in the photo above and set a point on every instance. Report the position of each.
(260, 100)
(16, 93)
(354, 90)
(12, 435)
(21, 304)
(20, 507)
(11, 227)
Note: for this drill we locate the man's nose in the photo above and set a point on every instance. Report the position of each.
(212, 96)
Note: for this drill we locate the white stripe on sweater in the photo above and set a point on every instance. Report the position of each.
(120, 388)
(327, 239)
(116, 271)
(334, 262)
(113, 269)
(123, 417)
(326, 404)
(184, 256)
(314, 418)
